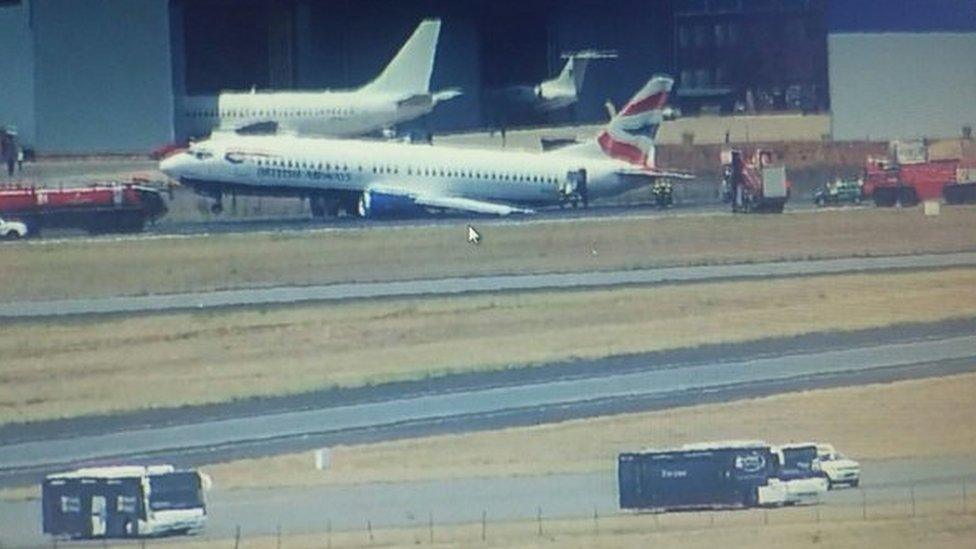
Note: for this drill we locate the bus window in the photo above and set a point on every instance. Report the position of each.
(175, 491)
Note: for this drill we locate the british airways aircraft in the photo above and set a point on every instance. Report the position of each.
(375, 179)
(400, 93)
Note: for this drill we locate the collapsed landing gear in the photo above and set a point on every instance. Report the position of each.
(324, 206)
(218, 206)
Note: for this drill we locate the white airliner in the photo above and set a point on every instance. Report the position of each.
(523, 103)
(375, 179)
(400, 93)
(563, 91)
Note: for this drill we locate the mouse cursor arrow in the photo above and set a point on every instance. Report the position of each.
(474, 237)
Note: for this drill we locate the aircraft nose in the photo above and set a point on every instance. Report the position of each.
(172, 165)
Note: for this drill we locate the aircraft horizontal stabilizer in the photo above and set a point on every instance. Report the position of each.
(420, 100)
(590, 54)
(447, 95)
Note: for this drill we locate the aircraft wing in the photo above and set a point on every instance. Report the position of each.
(653, 172)
(452, 202)
(470, 205)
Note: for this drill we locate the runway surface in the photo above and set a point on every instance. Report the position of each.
(277, 224)
(412, 504)
(455, 286)
(541, 395)
(218, 438)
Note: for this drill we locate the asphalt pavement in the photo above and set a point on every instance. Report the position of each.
(214, 437)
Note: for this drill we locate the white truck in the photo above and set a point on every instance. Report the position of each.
(836, 467)
(12, 230)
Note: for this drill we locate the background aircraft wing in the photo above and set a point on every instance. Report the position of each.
(258, 128)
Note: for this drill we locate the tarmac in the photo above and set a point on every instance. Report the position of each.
(422, 504)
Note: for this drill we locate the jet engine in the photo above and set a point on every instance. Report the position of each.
(374, 204)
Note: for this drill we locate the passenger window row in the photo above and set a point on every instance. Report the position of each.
(411, 170)
(248, 113)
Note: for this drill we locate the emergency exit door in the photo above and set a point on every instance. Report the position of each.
(98, 515)
(575, 187)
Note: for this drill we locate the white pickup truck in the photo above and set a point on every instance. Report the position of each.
(12, 230)
(837, 468)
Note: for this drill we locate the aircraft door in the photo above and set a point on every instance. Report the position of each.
(98, 516)
(575, 187)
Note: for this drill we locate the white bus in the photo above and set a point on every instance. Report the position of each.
(124, 501)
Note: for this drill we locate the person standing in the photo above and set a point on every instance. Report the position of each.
(4, 144)
(8, 150)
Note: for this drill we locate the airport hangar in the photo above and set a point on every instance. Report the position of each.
(103, 76)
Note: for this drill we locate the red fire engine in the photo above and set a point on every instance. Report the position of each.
(98, 209)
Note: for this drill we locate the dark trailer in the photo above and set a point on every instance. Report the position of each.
(126, 501)
(695, 477)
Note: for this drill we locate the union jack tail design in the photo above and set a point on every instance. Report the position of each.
(630, 134)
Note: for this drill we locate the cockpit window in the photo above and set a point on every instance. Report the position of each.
(200, 154)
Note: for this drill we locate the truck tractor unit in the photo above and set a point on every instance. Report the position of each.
(111, 208)
(839, 470)
(754, 186)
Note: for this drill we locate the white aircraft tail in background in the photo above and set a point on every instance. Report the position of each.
(400, 93)
(564, 90)
(522, 104)
(409, 71)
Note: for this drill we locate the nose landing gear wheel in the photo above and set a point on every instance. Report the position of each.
(216, 208)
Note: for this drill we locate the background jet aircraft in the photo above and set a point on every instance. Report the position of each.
(376, 179)
(400, 93)
(527, 103)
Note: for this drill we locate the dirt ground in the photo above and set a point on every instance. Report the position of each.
(870, 422)
(131, 266)
(67, 368)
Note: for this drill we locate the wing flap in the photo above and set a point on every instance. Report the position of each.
(451, 202)
(470, 205)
